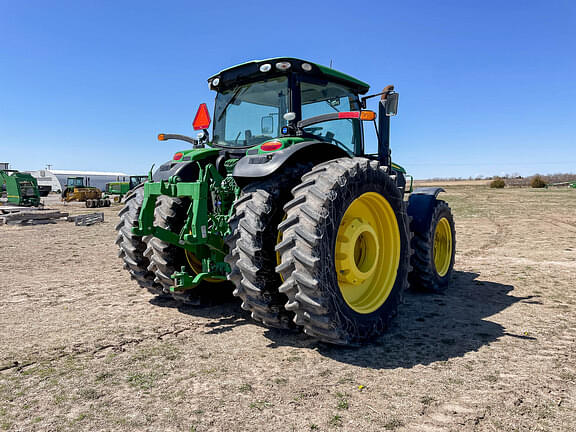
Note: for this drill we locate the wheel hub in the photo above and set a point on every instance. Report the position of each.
(357, 251)
(442, 247)
(367, 252)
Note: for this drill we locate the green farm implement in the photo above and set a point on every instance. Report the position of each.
(566, 184)
(21, 188)
(285, 203)
(119, 189)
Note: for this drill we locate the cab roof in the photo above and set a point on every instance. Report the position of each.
(251, 71)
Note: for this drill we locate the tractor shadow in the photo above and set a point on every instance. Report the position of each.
(221, 308)
(428, 327)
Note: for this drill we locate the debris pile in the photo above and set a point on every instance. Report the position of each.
(16, 215)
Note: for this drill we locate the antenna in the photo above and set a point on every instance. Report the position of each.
(330, 63)
(48, 167)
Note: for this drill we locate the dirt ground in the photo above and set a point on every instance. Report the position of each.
(83, 349)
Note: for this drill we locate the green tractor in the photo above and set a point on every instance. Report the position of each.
(284, 202)
(119, 189)
(21, 188)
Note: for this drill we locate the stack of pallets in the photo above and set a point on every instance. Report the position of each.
(16, 215)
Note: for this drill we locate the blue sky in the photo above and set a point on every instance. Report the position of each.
(485, 87)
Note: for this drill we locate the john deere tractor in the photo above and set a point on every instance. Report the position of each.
(283, 201)
(120, 188)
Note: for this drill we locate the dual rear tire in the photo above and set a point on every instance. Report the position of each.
(345, 251)
(132, 247)
(253, 237)
(152, 261)
(333, 260)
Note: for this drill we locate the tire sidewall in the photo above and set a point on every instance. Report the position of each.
(356, 324)
(442, 212)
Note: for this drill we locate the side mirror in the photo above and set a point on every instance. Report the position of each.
(267, 125)
(202, 119)
(391, 104)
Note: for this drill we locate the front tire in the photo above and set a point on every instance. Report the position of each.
(345, 252)
(434, 251)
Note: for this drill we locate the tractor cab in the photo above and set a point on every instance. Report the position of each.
(136, 180)
(263, 100)
(270, 112)
(73, 182)
(268, 99)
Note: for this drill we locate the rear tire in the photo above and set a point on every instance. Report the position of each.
(166, 258)
(131, 246)
(327, 299)
(434, 251)
(252, 256)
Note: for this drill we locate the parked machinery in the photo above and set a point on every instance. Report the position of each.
(119, 189)
(21, 188)
(76, 189)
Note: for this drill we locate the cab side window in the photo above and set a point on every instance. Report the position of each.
(330, 98)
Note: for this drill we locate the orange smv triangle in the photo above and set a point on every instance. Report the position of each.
(202, 119)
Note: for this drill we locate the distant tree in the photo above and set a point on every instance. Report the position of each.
(497, 183)
(537, 182)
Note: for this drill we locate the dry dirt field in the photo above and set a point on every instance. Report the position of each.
(83, 349)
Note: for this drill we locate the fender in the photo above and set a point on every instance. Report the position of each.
(421, 206)
(187, 170)
(257, 165)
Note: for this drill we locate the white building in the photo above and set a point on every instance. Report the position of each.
(57, 178)
(47, 178)
(91, 178)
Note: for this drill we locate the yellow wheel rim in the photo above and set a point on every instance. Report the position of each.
(367, 252)
(442, 247)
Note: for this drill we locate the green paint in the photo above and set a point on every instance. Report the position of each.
(344, 77)
(398, 168)
(197, 154)
(21, 188)
(205, 226)
(411, 188)
(184, 281)
(117, 188)
(212, 195)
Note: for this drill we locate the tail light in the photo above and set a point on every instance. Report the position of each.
(271, 146)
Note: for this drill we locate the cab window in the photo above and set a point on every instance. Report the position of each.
(318, 99)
